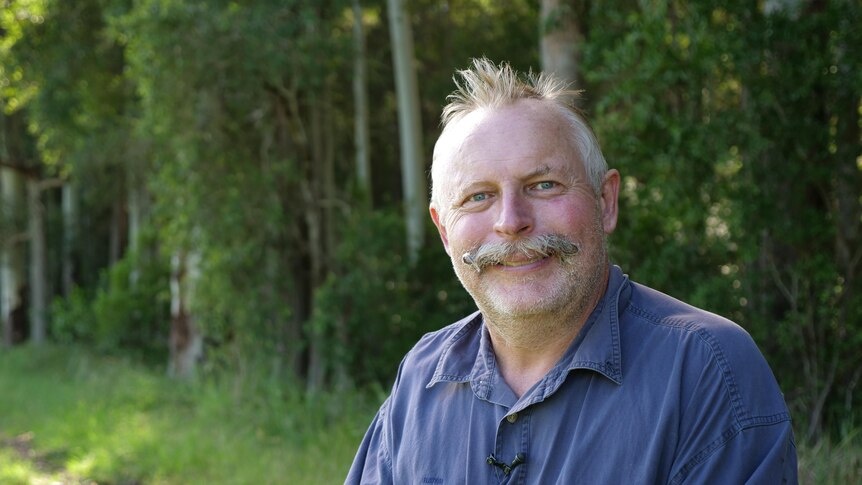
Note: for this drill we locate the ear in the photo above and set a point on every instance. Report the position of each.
(435, 216)
(608, 199)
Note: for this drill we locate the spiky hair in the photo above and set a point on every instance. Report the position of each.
(489, 86)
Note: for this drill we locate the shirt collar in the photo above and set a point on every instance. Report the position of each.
(467, 356)
(598, 347)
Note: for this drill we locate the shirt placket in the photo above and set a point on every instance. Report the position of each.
(511, 450)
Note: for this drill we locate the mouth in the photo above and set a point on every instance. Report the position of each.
(521, 255)
(525, 262)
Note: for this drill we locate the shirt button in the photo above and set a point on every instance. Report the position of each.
(512, 418)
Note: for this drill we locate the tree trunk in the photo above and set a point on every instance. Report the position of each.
(70, 236)
(339, 370)
(134, 206)
(290, 137)
(560, 36)
(270, 295)
(360, 102)
(316, 222)
(115, 243)
(38, 263)
(328, 189)
(410, 128)
(137, 208)
(186, 340)
(12, 255)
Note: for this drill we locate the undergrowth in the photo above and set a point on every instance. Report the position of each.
(65, 412)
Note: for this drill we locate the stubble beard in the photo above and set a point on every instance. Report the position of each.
(529, 320)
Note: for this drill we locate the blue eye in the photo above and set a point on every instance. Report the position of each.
(478, 197)
(545, 185)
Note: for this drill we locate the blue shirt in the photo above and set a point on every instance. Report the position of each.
(651, 391)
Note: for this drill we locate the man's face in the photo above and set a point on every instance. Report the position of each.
(511, 174)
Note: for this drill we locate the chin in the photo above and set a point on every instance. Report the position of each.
(524, 306)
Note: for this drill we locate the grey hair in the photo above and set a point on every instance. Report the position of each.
(488, 86)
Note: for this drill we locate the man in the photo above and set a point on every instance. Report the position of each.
(569, 373)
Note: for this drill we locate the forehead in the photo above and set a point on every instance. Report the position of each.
(524, 136)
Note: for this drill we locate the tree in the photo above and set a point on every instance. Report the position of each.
(186, 338)
(12, 256)
(38, 263)
(361, 136)
(69, 207)
(62, 77)
(808, 265)
(560, 37)
(410, 127)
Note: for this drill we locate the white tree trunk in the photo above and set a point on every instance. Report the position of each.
(70, 235)
(134, 206)
(8, 292)
(12, 254)
(410, 128)
(186, 339)
(360, 102)
(559, 34)
(38, 263)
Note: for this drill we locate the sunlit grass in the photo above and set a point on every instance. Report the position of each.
(14, 470)
(105, 419)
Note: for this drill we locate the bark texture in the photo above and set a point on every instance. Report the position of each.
(186, 340)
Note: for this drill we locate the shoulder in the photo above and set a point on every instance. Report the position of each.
(713, 349)
(667, 314)
(453, 346)
(734, 425)
(434, 341)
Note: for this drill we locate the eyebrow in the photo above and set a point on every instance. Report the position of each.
(460, 190)
(539, 171)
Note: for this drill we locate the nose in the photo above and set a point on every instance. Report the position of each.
(515, 216)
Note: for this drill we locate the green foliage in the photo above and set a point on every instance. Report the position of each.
(72, 317)
(68, 76)
(376, 307)
(125, 312)
(131, 311)
(233, 111)
(737, 132)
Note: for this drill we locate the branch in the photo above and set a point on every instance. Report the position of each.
(27, 172)
(289, 96)
(51, 183)
(779, 282)
(16, 238)
(854, 262)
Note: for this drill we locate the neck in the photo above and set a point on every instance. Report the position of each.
(527, 347)
(525, 361)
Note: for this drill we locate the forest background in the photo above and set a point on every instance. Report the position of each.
(233, 195)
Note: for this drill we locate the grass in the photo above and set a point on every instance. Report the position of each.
(72, 417)
(69, 416)
(830, 463)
